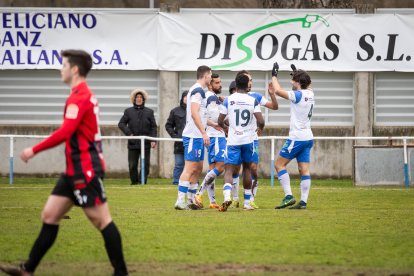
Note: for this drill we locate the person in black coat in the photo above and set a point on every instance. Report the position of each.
(175, 126)
(138, 120)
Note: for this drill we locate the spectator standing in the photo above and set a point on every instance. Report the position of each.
(138, 120)
(175, 126)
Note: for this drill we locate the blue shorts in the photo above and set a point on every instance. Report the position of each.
(235, 155)
(256, 152)
(216, 149)
(297, 149)
(193, 149)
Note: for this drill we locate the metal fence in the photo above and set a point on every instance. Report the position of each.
(273, 139)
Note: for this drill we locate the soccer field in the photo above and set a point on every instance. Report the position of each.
(346, 230)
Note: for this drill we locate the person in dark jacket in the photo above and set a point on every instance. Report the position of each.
(138, 120)
(174, 126)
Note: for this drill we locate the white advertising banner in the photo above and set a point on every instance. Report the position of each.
(313, 42)
(33, 39)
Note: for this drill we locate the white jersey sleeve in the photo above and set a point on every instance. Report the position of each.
(259, 98)
(196, 98)
(223, 107)
(197, 95)
(301, 108)
(295, 96)
(257, 109)
(213, 112)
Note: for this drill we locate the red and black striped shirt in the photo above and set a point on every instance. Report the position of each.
(81, 134)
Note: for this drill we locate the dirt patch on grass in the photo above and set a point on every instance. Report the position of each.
(213, 269)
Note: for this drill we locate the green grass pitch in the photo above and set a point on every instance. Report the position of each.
(346, 230)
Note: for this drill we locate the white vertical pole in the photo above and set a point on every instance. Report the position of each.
(142, 160)
(406, 176)
(11, 161)
(272, 164)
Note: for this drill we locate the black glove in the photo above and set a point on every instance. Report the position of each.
(275, 69)
(293, 69)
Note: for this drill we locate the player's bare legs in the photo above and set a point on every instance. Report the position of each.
(55, 208)
(215, 169)
(228, 179)
(235, 186)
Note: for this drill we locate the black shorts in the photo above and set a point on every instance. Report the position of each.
(81, 193)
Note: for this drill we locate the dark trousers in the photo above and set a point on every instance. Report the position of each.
(133, 158)
(178, 167)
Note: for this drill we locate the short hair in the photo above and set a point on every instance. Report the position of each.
(202, 70)
(302, 78)
(242, 82)
(242, 72)
(80, 58)
(215, 76)
(232, 87)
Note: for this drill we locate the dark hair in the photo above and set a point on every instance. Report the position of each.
(232, 87)
(79, 58)
(214, 76)
(302, 78)
(242, 82)
(242, 72)
(202, 70)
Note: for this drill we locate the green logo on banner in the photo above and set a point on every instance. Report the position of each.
(306, 23)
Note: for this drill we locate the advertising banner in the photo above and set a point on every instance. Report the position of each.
(33, 39)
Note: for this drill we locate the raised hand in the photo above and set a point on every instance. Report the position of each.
(275, 69)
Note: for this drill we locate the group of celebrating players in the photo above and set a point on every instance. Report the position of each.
(229, 128)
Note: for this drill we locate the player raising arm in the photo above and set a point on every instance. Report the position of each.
(300, 141)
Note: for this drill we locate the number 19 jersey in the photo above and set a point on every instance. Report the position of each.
(240, 109)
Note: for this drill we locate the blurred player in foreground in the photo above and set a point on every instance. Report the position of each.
(81, 185)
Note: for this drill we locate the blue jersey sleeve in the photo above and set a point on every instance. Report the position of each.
(298, 96)
(198, 90)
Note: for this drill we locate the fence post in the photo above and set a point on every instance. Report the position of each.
(406, 176)
(142, 160)
(272, 163)
(11, 161)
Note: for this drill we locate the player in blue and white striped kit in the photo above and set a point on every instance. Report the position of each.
(300, 141)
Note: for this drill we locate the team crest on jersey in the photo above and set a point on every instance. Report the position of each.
(72, 111)
(232, 102)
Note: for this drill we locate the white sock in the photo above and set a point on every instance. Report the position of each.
(182, 190)
(285, 182)
(235, 187)
(254, 189)
(192, 190)
(247, 196)
(208, 179)
(227, 191)
(211, 192)
(305, 188)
